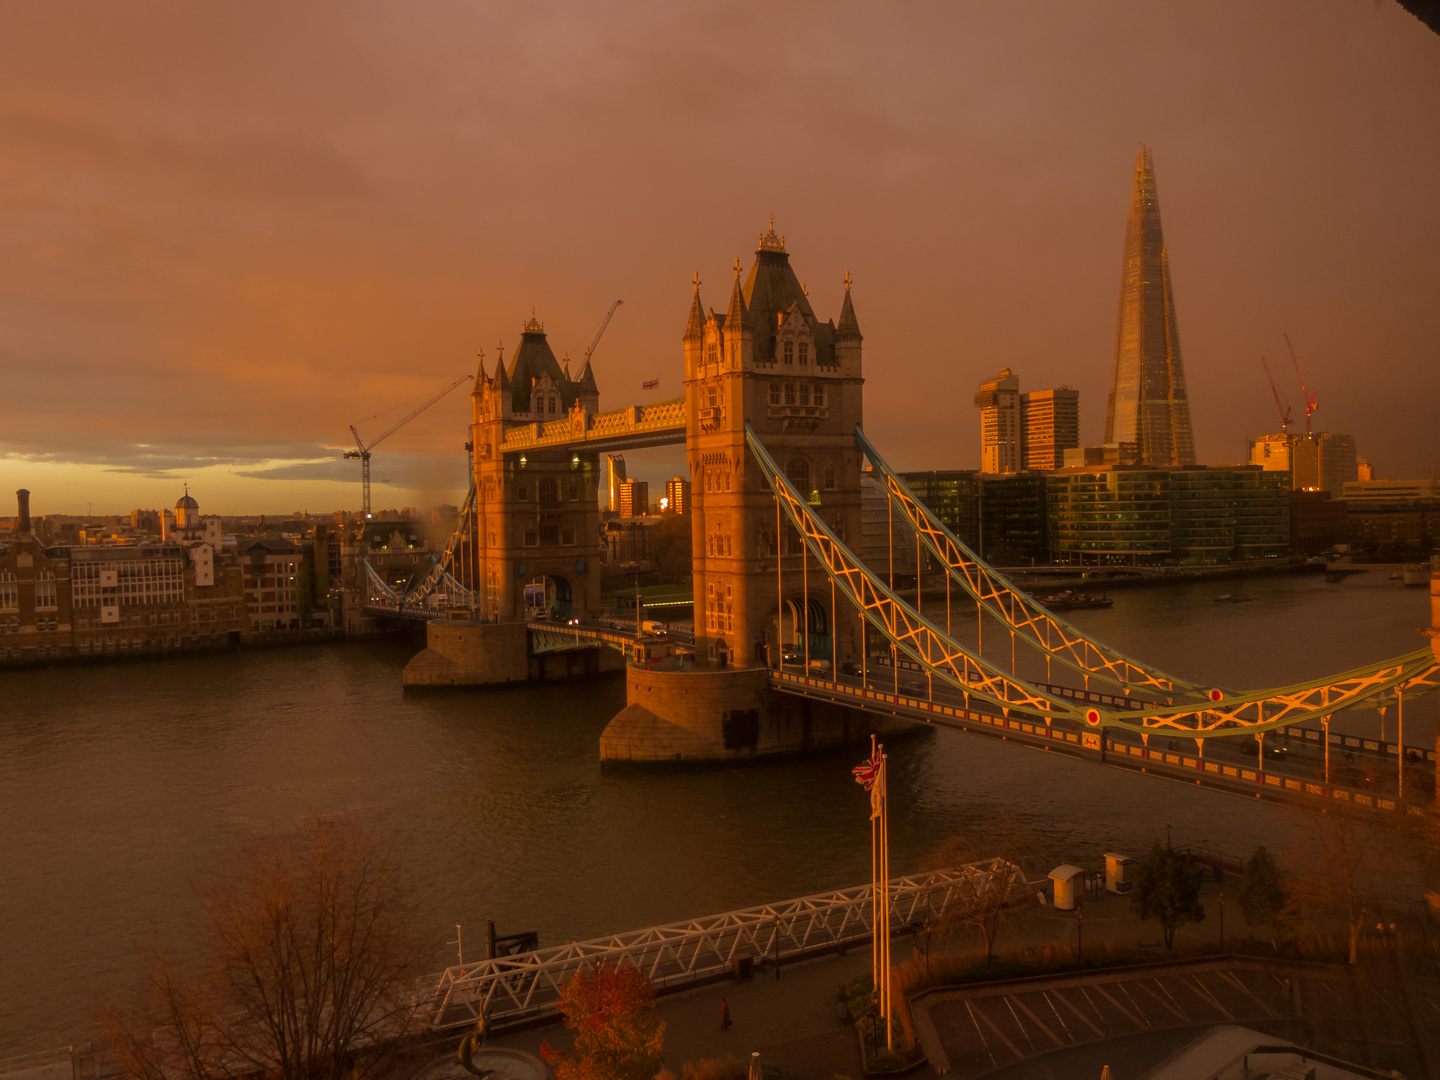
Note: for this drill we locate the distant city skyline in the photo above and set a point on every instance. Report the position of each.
(232, 233)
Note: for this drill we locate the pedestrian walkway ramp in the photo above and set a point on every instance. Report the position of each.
(512, 989)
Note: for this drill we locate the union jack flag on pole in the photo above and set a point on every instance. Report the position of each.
(870, 774)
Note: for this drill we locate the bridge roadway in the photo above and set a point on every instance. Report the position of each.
(1222, 765)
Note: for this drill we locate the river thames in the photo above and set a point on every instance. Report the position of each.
(123, 787)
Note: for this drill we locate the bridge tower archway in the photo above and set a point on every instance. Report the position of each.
(549, 596)
(795, 627)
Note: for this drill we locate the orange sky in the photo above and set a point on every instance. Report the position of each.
(229, 231)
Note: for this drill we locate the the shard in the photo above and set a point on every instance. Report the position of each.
(1148, 405)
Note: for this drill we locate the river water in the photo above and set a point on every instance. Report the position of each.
(123, 787)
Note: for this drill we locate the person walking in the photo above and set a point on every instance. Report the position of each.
(724, 1015)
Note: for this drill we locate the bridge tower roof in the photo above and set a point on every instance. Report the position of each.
(771, 288)
(532, 359)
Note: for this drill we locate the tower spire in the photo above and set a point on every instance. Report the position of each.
(1148, 404)
(848, 328)
(738, 317)
(695, 327)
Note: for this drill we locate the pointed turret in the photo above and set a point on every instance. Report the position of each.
(480, 377)
(695, 328)
(738, 317)
(848, 328)
(502, 378)
(586, 382)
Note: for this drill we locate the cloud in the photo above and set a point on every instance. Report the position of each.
(230, 232)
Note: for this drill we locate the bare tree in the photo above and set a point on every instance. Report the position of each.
(1343, 859)
(311, 975)
(981, 900)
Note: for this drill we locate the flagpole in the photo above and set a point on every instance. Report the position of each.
(884, 887)
(874, 895)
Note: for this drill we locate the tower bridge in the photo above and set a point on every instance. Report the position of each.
(795, 637)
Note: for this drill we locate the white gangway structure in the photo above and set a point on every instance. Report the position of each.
(511, 989)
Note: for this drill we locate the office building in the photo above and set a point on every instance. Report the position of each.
(1140, 515)
(953, 496)
(614, 478)
(677, 496)
(1323, 461)
(634, 499)
(1318, 522)
(1273, 452)
(1000, 432)
(1318, 461)
(1148, 404)
(1051, 425)
(116, 598)
(1014, 527)
(1109, 454)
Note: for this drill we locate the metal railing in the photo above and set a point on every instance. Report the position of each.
(512, 989)
(663, 419)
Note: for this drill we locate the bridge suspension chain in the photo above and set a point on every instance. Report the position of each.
(898, 621)
(1022, 614)
(1225, 714)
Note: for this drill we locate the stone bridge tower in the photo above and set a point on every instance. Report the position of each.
(798, 381)
(537, 516)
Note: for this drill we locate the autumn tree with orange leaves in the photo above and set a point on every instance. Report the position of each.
(617, 1037)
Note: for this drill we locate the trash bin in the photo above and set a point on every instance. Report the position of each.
(1063, 877)
(1117, 872)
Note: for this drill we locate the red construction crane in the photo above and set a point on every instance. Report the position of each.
(1284, 409)
(362, 450)
(1312, 400)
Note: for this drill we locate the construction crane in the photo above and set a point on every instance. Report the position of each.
(1284, 409)
(362, 450)
(595, 340)
(1312, 400)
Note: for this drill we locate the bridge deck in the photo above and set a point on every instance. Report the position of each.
(1227, 773)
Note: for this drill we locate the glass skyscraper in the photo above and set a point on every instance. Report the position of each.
(1148, 404)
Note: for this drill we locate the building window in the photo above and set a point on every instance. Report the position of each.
(9, 592)
(804, 353)
(522, 493)
(549, 535)
(789, 352)
(789, 393)
(532, 538)
(489, 491)
(774, 393)
(798, 472)
(804, 389)
(819, 395)
(549, 490)
(829, 481)
(567, 536)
